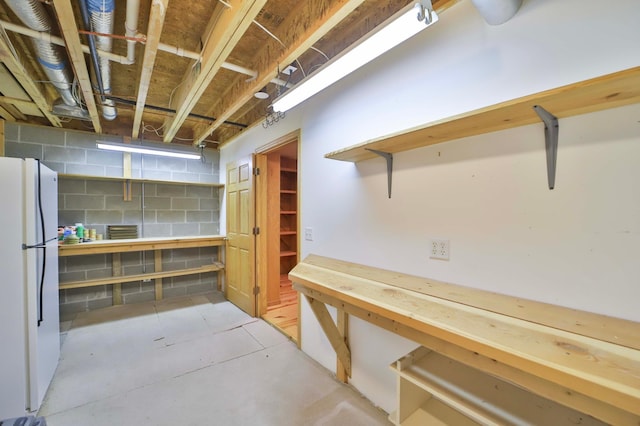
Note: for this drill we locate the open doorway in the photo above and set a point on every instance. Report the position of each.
(278, 240)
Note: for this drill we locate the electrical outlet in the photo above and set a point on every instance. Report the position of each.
(308, 234)
(439, 249)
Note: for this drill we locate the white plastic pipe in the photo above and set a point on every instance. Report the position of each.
(497, 12)
(131, 27)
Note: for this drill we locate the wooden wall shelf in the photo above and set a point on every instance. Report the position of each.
(608, 91)
(116, 247)
(120, 179)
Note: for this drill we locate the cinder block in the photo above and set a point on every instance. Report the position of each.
(185, 177)
(168, 291)
(171, 216)
(71, 217)
(55, 166)
(99, 273)
(117, 172)
(104, 158)
(205, 287)
(90, 261)
(84, 201)
(199, 191)
(163, 190)
(184, 254)
(83, 169)
(41, 134)
(155, 174)
(99, 303)
(104, 217)
(180, 203)
(104, 187)
(11, 131)
(200, 216)
(68, 311)
(169, 265)
(23, 150)
(86, 140)
(72, 186)
(184, 229)
(117, 202)
(157, 203)
(170, 164)
(209, 229)
(198, 167)
(206, 178)
(146, 296)
(65, 154)
(66, 277)
(156, 230)
(129, 288)
(85, 294)
(134, 217)
(208, 204)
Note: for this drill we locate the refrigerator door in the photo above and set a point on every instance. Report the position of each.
(13, 330)
(43, 319)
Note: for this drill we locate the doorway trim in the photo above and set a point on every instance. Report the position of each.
(261, 217)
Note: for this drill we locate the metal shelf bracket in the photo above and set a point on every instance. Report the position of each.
(389, 158)
(551, 129)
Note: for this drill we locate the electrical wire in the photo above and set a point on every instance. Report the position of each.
(279, 41)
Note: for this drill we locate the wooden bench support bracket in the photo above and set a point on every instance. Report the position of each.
(332, 333)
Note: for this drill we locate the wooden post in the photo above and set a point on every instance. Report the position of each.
(158, 268)
(343, 329)
(117, 272)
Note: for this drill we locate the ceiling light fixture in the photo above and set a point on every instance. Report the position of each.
(262, 94)
(394, 31)
(146, 150)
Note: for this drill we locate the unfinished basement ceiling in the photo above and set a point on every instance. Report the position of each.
(195, 95)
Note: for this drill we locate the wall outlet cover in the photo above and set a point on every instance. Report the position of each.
(439, 249)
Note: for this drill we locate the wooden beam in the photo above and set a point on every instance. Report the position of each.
(6, 115)
(69, 28)
(299, 32)
(331, 331)
(16, 102)
(156, 22)
(343, 328)
(116, 271)
(301, 29)
(22, 76)
(233, 23)
(157, 259)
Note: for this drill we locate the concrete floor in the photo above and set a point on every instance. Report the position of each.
(195, 360)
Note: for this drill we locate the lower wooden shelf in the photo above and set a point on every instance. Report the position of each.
(427, 381)
(140, 277)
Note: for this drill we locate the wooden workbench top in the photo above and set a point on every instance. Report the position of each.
(139, 244)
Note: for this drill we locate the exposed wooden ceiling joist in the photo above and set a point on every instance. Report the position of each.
(302, 30)
(6, 115)
(225, 35)
(156, 22)
(71, 37)
(20, 74)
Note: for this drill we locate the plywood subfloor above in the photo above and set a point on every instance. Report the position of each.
(608, 91)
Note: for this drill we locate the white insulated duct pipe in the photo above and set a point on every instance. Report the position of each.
(52, 59)
(101, 14)
(497, 12)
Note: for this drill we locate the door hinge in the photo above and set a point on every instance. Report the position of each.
(256, 171)
(256, 231)
(256, 291)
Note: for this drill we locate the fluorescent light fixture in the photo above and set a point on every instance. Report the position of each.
(146, 150)
(400, 27)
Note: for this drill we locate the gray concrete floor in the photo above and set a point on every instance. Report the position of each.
(195, 360)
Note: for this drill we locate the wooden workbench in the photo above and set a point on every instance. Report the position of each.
(581, 360)
(116, 247)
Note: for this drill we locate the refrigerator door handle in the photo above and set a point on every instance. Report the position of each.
(39, 245)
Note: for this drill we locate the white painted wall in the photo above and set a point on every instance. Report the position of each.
(576, 246)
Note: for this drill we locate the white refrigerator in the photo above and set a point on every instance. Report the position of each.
(29, 311)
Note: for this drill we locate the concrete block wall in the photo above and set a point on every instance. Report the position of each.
(159, 210)
(75, 152)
